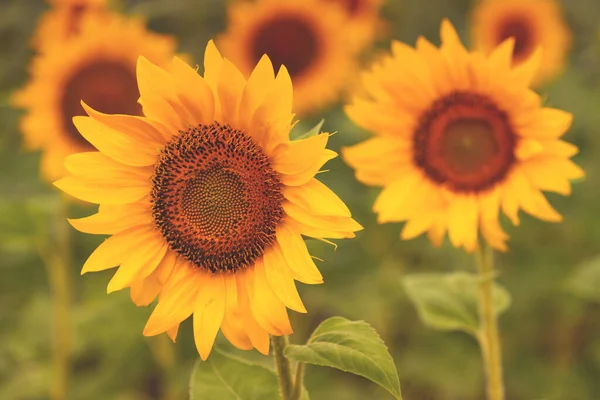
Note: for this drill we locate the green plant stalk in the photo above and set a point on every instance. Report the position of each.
(56, 256)
(163, 351)
(299, 382)
(488, 335)
(283, 366)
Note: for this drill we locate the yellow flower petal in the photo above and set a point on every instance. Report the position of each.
(114, 219)
(342, 224)
(139, 264)
(208, 315)
(115, 144)
(268, 310)
(103, 190)
(157, 95)
(176, 304)
(297, 256)
(193, 93)
(280, 279)
(115, 250)
(316, 198)
(230, 88)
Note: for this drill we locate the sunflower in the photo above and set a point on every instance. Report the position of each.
(307, 36)
(97, 66)
(207, 192)
(532, 23)
(63, 22)
(460, 136)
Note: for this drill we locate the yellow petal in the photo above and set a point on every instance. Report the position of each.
(463, 221)
(550, 123)
(280, 279)
(438, 230)
(259, 83)
(524, 73)
(113, 219)
(418, 225)
(299, 161)
(230, 88)
(104, 190)
(527, 148)
(531, 200)
(268, 310)
(193, 93)
(176, 304)
(157, 95)
(319, 233)
(316, 198)
(115, 250)
(134, 127)
(213, 63)
(490, 226)
(95, 164)
(277, 106)
(258, 336)
(393, 196)
(144, 291)
(209, 315)
(297, 256)
(116, 144)
(318, 221)
(139, 264)
(233, 323)
(546, 175)
(172, 332)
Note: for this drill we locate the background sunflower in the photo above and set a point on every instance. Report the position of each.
(551, 336)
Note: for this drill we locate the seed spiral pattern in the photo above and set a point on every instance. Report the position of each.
(215, 198)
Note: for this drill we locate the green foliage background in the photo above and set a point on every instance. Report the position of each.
(551, 333)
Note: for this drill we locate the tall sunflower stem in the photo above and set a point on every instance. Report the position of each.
(56, 256)
(283, 366)
(488, 336)
(299, 382)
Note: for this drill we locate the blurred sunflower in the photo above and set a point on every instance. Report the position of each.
(364, 22)
(208, 190)
(459, 137)
(97, 66)
(532, 24)
(63, 21)
(307, 36)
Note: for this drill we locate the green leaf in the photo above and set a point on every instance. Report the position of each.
(314, 131)
(226, 377)
(585, 281)
(351, 346)
(449, 301)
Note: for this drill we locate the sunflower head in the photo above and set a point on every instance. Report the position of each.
(532, 24)
(459, 138)
(206, 199)
(98, 66)
(303, 35)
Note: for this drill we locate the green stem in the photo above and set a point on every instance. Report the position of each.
(299, 382)
(56, 256)
(283, 366)
(164, 354)
(488, 336)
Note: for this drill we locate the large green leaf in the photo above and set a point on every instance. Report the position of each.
(226, 377)
(449, 301)
(351, 346)
(585, 281)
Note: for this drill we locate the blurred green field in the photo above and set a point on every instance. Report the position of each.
(551, 333)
